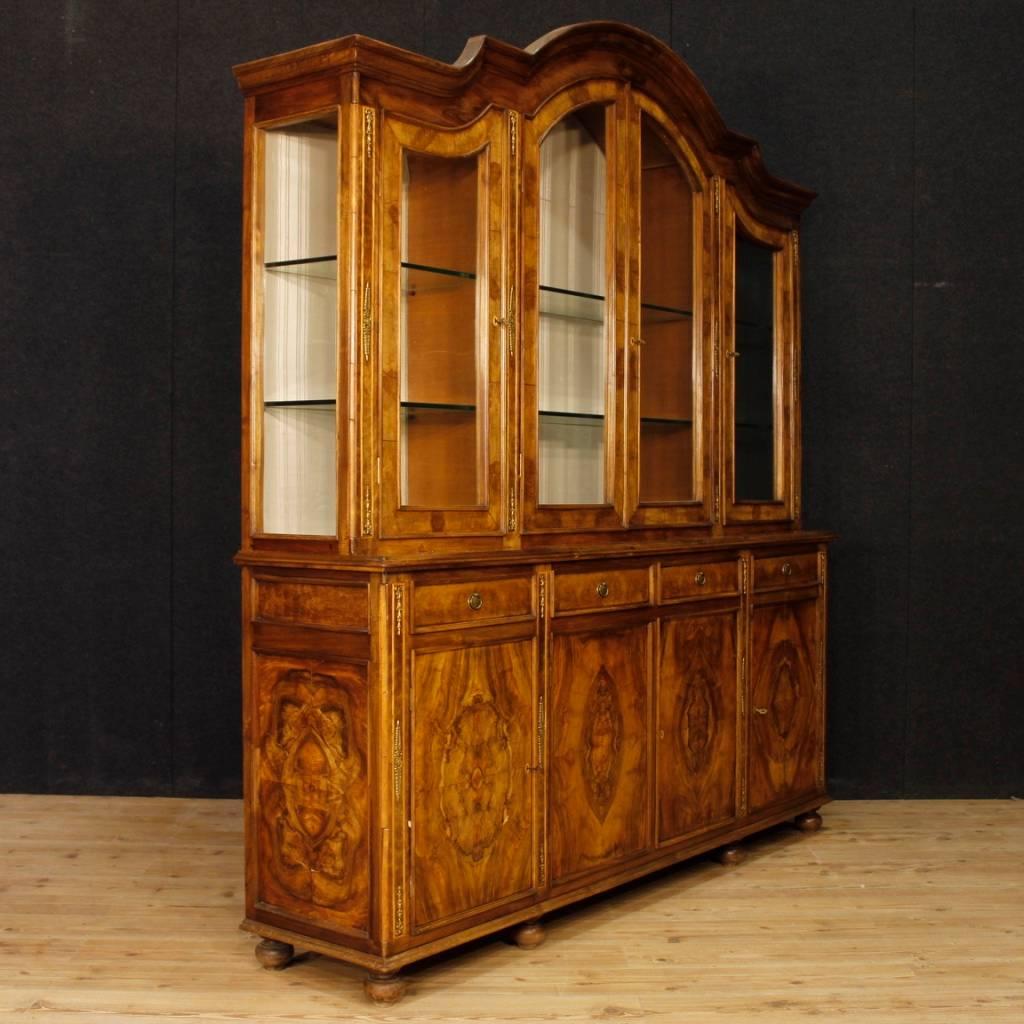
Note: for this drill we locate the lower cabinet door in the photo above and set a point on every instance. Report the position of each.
(697, 721)
(474, 741)
(786, 739)
(598, 775)
(309, 801)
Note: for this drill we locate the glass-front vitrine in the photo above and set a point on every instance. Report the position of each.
(297, 295)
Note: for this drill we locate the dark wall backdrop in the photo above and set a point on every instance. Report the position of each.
(119, 292)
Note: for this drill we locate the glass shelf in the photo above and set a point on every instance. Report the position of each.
(572, 415)
(442, 406)
(314, 266)
(300, 403)
(652, 314)
(569, 305)
(420, 279)
(666, 421)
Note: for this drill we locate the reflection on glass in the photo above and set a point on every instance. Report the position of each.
(754, 364)
(300, 328)
(572, 345)
(666, 323)
(441, 364)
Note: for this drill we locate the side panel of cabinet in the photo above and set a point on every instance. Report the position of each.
(697, 721)
(311, 790)
(786, 733)
(473, 801)
(598, 772)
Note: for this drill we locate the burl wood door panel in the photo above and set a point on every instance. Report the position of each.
(311, 790)
(598, 764)
(473, 739)
(697, 706)
(786, 738)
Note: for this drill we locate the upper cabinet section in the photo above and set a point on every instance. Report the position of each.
(532, 294)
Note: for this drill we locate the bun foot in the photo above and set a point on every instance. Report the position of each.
(810, 821)
(529, 935)
(731, 855)
(384, 989)
(274, 955)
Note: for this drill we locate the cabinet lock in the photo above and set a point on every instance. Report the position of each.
(760, 711)
(476, 602)
(602, 589)
(700, 579)
(787, 569)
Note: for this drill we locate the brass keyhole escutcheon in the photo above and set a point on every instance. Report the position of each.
(476, 602)
(700, 579)
(602, 589)
(760, 711)
(787, 569)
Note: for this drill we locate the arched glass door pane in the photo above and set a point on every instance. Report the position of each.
(572, 370)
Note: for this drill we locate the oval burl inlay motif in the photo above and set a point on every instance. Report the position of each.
(785, 691)
(696, 722)
(476, 777)
(602, 743)
(310, 763)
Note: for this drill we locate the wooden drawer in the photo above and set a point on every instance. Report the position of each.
(607, 588)
(311, 603)
(785, 571)
(452, 604)
(699, 579)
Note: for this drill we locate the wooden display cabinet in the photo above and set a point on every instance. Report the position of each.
(528, 607)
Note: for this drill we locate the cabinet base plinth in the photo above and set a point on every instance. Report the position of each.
(274, 955)
(383, 989)
(529, 935)
(809, 821)
(731, 854)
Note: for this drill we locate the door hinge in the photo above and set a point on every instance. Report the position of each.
(367, 513)
(718, 195)
(796, 245)
(541, 862)
(399, 591)
(396, 756)
(368, 132)
(744, 576)
(541, 595)
(512, 507)
(399, 911)
(366, 323)
(540, 731)
(513, 132)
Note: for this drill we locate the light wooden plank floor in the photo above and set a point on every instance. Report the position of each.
(119, 909)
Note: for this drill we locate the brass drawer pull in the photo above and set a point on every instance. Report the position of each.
(476, 602)
(787, 569)
(700, 579)
(602, 589)
(760, 711)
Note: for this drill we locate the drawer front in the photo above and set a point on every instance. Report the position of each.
(306, 603)
(699, 579)
(608, 588)
(785, 571)
(454, 604)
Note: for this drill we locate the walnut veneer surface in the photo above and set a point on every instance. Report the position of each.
(466, 711)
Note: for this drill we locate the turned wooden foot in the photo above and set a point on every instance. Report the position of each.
(731, 855)
(529, 935)
(809, 821)
(384, 988)
(274, 955)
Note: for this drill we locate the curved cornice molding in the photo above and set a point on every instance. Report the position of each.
(628, 53)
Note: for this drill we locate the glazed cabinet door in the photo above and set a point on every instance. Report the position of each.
(573, 309)
(786, 740)
(760, 364)
(308, 792)
(698, 719)
(444, 247)
(473, 787)
(668, 358)
(598, 763)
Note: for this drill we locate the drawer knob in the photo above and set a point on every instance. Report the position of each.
(602, 589)
(476, 602)
(787, 569)
(760, 711)
(700, 579)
